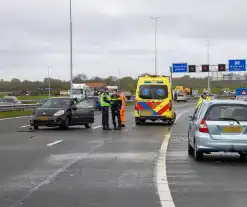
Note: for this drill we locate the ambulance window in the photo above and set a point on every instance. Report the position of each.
(153, 92)
(160, 92)
(145, 92)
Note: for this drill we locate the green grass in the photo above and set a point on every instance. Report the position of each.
(32, 97)
(8, 114)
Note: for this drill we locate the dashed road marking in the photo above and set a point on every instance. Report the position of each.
(53, 143)
(96, 127)
(25, 126)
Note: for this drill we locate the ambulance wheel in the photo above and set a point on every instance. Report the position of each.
(170, 123)
(139, 121)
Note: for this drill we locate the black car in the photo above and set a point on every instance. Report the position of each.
(63, 112)
(42, 101)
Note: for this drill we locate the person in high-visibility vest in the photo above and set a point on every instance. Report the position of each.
(204, 96)
(123, 109)
(105, 103)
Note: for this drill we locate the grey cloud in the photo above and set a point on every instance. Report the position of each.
(116, 33)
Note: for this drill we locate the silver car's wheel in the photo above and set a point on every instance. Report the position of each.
(190, 149)
(197, 155)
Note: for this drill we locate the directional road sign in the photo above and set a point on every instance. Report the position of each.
(179, 67)
(236, 65)
(241, 93)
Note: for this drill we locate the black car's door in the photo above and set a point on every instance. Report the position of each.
(83, 113)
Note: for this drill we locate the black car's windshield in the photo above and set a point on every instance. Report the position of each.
(56, 103)
(77, 91)
(224, 112)
(153, 91)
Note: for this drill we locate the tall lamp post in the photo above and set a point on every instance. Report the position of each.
(71, 48)
(155, 42)
(208, 62)
(49, 82)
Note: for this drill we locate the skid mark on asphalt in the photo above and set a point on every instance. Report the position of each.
(54, 174)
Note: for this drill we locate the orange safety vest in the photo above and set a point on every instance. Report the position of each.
(123, 98)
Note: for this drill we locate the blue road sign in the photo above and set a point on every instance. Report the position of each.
(179, 67)
(241, 91)
(241, 94)
(236, 65)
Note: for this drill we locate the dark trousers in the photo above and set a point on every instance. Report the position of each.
(105, 116)
(116, 113)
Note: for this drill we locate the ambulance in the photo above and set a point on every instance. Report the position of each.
(154, 97)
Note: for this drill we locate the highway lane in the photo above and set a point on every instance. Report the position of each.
(87, 168)
(219, 180)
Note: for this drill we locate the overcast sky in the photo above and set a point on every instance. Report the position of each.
(112, 34)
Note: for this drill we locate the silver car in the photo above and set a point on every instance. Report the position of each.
(218, 126)
(182, 97)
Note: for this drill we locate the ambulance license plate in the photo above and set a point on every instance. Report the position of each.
(146, 113)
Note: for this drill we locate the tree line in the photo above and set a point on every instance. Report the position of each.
(125, 83)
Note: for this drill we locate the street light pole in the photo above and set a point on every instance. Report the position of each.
(71, 48)
(49, 83)
(208, 47)
(119, 79)
(155, 43)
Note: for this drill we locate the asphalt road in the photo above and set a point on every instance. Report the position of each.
(81, 167)
(219, 180)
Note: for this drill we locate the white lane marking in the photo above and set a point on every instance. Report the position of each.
(53, 143)
(161, 176)
(18, 117)
(54, 175)
(25, 126)
(96, 127)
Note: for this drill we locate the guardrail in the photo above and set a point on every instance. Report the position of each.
(17, 107)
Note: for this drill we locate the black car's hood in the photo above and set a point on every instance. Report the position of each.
(47, 111)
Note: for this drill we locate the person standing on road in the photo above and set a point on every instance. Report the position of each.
(116, 104)
(203, 97)
(105, 103)
(123, 109)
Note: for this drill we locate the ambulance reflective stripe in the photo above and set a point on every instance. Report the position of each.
(161, 108)
(158, 108)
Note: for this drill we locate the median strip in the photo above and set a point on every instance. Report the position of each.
(8, 114)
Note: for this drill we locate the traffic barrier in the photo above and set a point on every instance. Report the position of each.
(17, 107)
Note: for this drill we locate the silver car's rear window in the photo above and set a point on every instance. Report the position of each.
(227, 111)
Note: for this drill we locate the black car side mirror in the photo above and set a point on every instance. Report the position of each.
(74, 108)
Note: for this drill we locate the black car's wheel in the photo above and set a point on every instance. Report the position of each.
(65, 125)
(242, 156)
(88, 126)
(35, 127)
(198, 156)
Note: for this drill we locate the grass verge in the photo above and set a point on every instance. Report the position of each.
(9, 114)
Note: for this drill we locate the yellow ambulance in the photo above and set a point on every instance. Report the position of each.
(154, 99)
